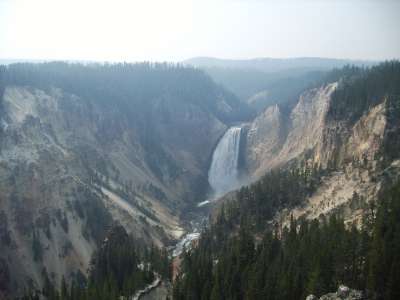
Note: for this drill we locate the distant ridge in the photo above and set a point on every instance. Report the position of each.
(276, 64)
(9, 61)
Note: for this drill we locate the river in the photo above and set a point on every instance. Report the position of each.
(222, 177)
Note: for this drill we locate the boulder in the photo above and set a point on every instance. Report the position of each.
(343, 293)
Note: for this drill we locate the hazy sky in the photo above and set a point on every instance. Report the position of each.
(178, 29)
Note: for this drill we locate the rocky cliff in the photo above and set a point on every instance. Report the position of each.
(351, 150)
(274, 138)
(324, 213)
(71, 164)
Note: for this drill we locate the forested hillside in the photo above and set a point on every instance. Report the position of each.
(262, 89)
(161, 102)
(336, 234)
(363, 88)
(200, 150)
(83, 146)
(120, 267)
(236, 258)
(263, 82)
(133, 86)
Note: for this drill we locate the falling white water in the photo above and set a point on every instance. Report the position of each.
(223, 173)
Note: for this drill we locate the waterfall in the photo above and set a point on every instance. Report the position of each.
(223, 173)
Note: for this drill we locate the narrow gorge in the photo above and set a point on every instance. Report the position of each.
(222, 178)
(132, 161)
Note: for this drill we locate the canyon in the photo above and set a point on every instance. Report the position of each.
(156, 149)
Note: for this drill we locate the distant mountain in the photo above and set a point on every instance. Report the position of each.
(262, 82)
(271, 65)
(9, 61)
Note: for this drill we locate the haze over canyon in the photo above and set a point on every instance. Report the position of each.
(193, 150)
